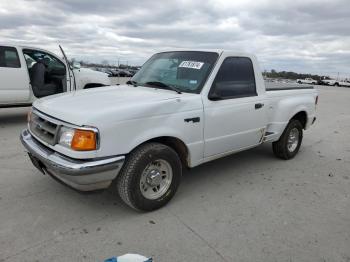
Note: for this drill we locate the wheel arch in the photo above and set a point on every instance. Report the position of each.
(93, 85)
(176, 144)
(302, 117)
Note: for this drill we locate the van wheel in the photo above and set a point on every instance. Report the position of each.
(289, 143)
(150, 177)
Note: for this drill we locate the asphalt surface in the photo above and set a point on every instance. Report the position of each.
(119, 80)
(245, 207)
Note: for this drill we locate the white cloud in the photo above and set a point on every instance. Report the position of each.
(299, 35)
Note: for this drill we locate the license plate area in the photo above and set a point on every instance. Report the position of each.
(37, 163)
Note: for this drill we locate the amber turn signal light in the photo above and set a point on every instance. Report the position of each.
(84, 140)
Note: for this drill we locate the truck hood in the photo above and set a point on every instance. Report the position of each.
(88, 71)
(86, 75)
(113, 103)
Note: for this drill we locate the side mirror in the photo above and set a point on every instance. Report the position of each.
(214, 97)
(76, 65)
(215, 93)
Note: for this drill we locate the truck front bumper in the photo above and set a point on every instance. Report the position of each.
(83, 175)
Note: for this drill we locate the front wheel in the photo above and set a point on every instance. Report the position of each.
(150, 177)
(289, 143)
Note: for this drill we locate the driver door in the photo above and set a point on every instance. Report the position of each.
(235, 115)
(55, 73)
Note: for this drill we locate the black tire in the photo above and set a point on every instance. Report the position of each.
(128, 181)
(280, 147)
(89, 86)
(299, 82)
(336, 84)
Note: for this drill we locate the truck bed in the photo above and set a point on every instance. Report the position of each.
(271, 86)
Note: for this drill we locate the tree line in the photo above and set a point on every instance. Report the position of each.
(291, 75)
(103, 64)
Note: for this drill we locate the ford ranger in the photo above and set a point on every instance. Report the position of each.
(28, 73)
(182, 109)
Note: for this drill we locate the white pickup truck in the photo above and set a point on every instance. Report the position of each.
(336, 82)
(28, 73)
(307, 81)
(182, 109)
(345, 83)
(330, 82)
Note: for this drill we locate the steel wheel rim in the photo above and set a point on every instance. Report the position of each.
(293, 140)
(156, 179)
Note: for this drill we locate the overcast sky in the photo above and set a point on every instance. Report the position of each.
(300, 35)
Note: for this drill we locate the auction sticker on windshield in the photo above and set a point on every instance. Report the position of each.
(191, 64)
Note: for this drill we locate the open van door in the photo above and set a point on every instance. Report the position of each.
(70, 75)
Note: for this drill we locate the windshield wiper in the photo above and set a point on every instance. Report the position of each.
(161, 84)
(132, 82)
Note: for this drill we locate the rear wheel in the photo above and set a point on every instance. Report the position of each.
(150, 177)
(289, 143)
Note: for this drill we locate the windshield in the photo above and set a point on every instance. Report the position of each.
(185, 71)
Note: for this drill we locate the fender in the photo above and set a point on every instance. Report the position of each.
(123, 137)
(285, 109)
(86, 76)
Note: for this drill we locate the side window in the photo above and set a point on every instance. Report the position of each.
(55, 66)
(30, 61)
(9, 57)
(235, 79)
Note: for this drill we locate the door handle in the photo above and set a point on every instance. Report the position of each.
(193, 120)
(259, 105)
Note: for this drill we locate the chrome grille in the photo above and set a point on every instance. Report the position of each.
(43, 128)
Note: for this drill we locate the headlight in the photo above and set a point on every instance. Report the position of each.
(66, 136)
(78, 139)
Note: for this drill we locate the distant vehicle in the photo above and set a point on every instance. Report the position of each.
(122, 73)
(114, 72)
(333, 82)
(182, 109)
(106, 71)
(125, 73)
(28, 73)
(330, 82)
(320, 82)
(307, 81)
(345, 83)
(133, 71)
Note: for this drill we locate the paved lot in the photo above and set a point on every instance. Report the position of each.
(119, 80)
(246, 207)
